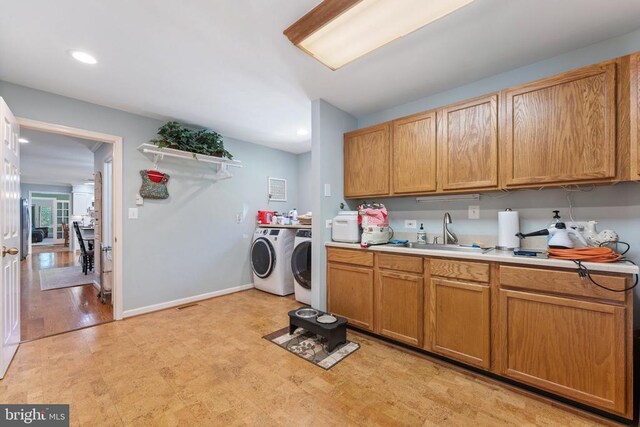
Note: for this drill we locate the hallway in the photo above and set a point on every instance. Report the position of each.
(45, 313)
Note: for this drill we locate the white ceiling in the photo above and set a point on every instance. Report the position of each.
(55, 159)
(226, 65)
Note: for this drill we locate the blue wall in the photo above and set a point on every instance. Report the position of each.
(328, 125)
(189, 244)
(612, 48)
(304, 182)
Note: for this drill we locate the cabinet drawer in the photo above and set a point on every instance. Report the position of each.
(562, 282)
(350, 256)
(476, 271)
(400, 262)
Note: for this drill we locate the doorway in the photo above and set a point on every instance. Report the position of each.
(49, 215)
(60, 216)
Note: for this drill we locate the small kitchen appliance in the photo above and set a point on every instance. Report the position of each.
(345, 227)
(560, 236)
(265, 217)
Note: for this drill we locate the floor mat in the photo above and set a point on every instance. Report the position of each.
(65, 277)
(311, 347)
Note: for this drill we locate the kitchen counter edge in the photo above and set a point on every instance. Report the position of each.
(495, 256)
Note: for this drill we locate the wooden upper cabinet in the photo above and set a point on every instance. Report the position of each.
(468, 145)
(414, 154)
(573, 348)
(635, 114)
(366, 161)
(561, 129)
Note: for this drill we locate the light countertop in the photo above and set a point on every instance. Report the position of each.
(297, 226)
(496, 256)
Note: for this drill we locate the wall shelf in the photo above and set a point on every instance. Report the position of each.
(156, 154)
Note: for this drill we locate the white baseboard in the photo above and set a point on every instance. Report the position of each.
(182, 301)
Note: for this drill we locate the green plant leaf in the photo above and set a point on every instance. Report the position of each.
(204, 141)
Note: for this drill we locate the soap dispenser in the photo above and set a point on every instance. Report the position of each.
(422, 235)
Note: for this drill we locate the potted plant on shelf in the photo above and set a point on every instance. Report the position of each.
(203, 141)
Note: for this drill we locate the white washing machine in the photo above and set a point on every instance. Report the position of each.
(301, 266)
(271, 260)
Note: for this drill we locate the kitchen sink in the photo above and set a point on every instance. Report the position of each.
(453, 248)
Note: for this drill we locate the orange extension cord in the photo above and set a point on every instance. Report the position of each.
(586, 254)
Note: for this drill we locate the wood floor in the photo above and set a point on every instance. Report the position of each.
(44, 313)
(208, 365)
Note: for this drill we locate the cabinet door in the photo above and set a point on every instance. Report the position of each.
(350, 293)
(414, 154)
(574, 348)
(635, 114)
(399, 306)
(366, 161)
(468, 144)
(561, 129)
(460, 327)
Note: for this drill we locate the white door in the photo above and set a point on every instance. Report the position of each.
(61, 217)
(9, 237)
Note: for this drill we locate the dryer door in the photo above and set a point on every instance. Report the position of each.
(301, 264)
(263, 257)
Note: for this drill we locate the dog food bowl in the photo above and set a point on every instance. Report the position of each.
(306, 313)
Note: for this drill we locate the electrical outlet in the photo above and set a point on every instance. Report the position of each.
(474, 212)
(410, 223)
(328, 223)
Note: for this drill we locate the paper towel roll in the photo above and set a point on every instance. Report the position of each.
(508, 226)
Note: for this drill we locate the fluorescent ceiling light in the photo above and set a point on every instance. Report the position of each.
(337, 32)
(303, 132)
(83, 57)
(449, 198)
(23, 140)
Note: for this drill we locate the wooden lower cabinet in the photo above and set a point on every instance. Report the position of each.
(400, 306)
(574, 348)
(541, 327)
(460, 321)
(350, 293)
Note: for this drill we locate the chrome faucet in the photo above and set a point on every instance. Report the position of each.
(449, 237)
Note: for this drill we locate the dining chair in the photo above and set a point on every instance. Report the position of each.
(87, 255)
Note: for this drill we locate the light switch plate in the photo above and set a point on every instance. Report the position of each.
(327, 190)
(328, 224)
(474, 212)
(410, 223)
(133, 213)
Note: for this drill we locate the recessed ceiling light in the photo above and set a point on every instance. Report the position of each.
(83, 57)
(303, 132)
(23, 140)
(338, 32)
